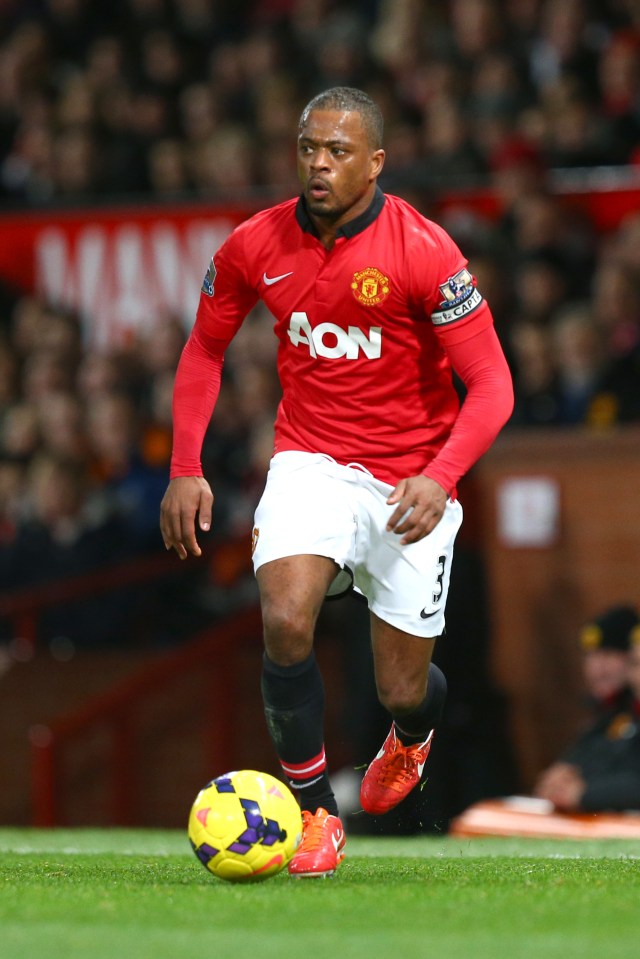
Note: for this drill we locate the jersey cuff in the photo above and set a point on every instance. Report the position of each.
(447, 484)
(185, 470)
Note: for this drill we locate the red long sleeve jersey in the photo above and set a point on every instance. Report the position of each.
(364, 334)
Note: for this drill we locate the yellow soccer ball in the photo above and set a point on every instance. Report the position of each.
(245, 826)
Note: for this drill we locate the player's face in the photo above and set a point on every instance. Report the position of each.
(336, 165)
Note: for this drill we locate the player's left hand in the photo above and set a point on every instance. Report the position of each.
(420, 505)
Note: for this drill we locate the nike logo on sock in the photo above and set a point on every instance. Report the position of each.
(270, 280)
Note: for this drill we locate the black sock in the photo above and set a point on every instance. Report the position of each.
(414, 727)
(293, 699)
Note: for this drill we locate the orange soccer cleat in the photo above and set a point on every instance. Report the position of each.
(393, 774)
(322, 848)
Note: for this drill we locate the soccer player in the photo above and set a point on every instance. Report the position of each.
(374, 307)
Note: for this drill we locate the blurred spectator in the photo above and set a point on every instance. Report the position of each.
(8, 377)
(75, 165)
(223, 165)
(134, 487)
(12, 483)
(577, 134)
(540, 224)
(565, 46)
(199, 112)
(19, 436)
(517, 169)
(449, 153)
(159, 349)
(578, 350)
(537, 400)
(619, 76)
(167, 170)
(61, 427)
(616, 305)
(43, 373)
(60, 530)
(623, 246)
(616, 308)
(100, 373)
(601, 770)
(542, 285)
(617, 399)
(605, 657)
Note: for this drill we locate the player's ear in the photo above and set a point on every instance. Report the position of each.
(377, 162)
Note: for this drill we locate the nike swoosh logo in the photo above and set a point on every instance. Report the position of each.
(336, 839)
(422, 764)
(425, 615)
(270, 280)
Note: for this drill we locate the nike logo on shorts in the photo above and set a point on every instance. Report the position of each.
(425, 615)
(270, 280)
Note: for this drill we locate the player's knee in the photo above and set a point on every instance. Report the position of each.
(288, 633)
(400, 697)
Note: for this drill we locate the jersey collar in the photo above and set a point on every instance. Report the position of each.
(353, 227)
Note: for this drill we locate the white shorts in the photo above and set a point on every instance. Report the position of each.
(312, 505)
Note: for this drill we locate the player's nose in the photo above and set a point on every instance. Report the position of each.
(320, 160)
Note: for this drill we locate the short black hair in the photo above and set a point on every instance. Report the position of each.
(355, 101)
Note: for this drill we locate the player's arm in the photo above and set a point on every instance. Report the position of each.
(189, 495)
(480, 363)
(225, 300)
(482, 366)
(464, 326)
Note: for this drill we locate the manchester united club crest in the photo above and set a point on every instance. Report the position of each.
(370, 286)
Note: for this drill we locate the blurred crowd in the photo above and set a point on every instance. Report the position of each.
(174, 99)
(85, 442)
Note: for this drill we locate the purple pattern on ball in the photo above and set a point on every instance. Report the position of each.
(205, 853)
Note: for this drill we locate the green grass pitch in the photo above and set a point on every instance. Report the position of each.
(120, 894)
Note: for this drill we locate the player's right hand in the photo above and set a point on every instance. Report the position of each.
(186, 497)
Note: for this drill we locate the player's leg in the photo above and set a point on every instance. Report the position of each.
(291, 593)
(303, 537)
(303, 544)
(413, 690)
(292, 590)
(409, 685)
(407, 592)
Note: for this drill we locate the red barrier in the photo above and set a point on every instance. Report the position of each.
(116, 709)
(22, 608)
